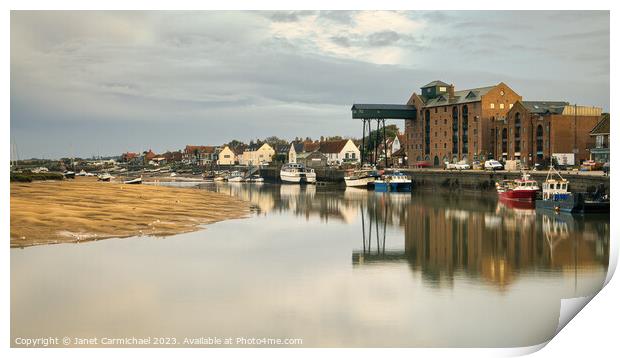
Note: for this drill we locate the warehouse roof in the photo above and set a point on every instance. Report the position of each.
(542, 107)
(464, 96)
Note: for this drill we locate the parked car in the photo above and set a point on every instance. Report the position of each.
(462, 165)
(422, 164)
(477, 165)
(493, 165)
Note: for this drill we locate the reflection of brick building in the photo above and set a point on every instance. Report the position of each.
(532, 131)
(453, 125)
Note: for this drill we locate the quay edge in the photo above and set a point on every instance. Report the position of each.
(430, 179)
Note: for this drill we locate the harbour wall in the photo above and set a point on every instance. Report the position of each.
(479, 180)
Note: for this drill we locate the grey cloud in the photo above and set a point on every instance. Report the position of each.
(165, 79)
(383, 38)
(341, 41)
(339, 16)
(289, 16)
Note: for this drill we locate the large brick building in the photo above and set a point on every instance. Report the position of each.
(455, 125)
(493, 122)
(534, 130)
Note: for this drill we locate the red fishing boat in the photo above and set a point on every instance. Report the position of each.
(523, 189)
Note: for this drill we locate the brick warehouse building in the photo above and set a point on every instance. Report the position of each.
(455, 125)
(534, 130)
(479, 123)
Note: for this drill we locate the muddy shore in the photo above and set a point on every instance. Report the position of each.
(84, 209)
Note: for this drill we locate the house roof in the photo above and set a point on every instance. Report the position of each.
(201, 148)
(333, 146)
(460, 97)
(602, 127)
(542, 107)
(310, 146)
(436, 83)
(283, 148)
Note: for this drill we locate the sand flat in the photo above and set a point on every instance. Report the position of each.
(84, 209)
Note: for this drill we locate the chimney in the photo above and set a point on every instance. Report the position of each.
(451, 91)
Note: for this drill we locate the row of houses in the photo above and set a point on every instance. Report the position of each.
(308, 152)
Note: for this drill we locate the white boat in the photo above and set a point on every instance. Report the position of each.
(297, 173)
(255, 179)
(133, 181)
(104, 177)
(235, 177)
(82, 173)
(361, 178)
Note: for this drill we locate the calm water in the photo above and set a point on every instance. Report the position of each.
(335, 268)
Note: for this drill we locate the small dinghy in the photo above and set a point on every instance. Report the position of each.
(133, 181)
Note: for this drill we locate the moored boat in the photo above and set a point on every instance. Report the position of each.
(235, 177)
(69, 174)
(393, 182)
(362, 178)
(523, 189)
(297, 174)
(104, 177)
(557, 197)
(137, 180)
(255, 179)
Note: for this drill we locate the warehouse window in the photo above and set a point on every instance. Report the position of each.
(455, 130)
(464, 134)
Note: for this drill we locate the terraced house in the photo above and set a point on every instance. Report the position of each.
(455, 125)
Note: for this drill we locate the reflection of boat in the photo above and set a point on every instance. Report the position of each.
(523, 189)
(297, 173)
(395, 181)
(517, 204)
(361, 178)
(133, 181)
(557, 197)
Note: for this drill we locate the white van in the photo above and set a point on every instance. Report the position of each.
(493, 165)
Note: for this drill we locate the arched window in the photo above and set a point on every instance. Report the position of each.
(418, 158)
(465, 125)
(427, 132)
(539, 142)
(455, 130)
(517, 132)
(436, 161)
(504, 141)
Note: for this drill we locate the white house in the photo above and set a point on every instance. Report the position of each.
(339, 151)
(226, 157)
(256, 155)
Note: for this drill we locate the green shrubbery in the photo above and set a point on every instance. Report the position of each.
(29, 177)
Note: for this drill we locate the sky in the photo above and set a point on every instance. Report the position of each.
(106, 82)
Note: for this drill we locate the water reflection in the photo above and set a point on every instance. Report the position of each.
(444, 236)
(334, 267)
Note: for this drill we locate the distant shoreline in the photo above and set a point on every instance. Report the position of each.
(84, 209)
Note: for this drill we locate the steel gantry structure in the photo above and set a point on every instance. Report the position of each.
(379, 113)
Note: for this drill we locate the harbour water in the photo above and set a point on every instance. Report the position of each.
(331, 267)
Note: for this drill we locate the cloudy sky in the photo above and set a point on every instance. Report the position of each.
(100, 83)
